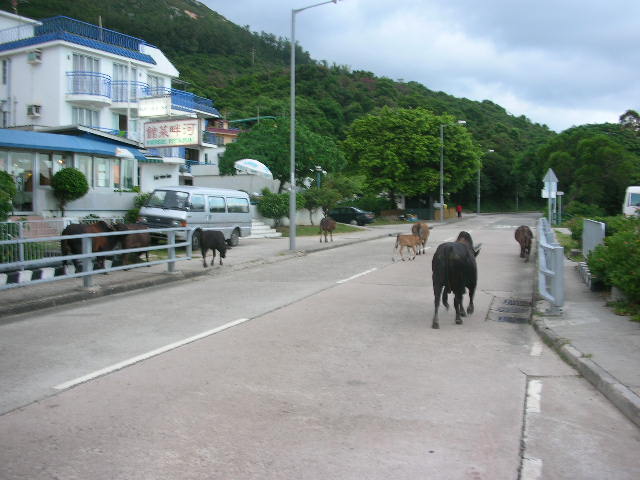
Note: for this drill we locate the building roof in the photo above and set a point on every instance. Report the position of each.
(66, 143)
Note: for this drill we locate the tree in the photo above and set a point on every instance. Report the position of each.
(68, 185)
(268, 142)
(630, 119)
(398, 150)
(7, 193)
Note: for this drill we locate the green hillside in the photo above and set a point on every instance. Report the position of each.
(246, 74)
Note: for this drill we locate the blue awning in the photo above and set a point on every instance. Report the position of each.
(29, 140)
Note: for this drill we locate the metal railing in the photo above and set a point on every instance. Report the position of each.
(593, 234)
(88, 83)
(550, 266)
(128, 91)
(62, 267)
(182, 100)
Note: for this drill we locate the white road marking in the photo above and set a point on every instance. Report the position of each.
(534, 394)
(145, 356)
(357, 275)
(531, 469)
(536, 349)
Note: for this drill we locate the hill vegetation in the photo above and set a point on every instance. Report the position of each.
(247, 75)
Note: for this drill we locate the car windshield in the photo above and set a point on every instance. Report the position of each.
(634, 199)
(168, 199)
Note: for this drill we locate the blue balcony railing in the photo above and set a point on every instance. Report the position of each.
(185, 101)
(89, 83)
(87, 30)
(126, 91)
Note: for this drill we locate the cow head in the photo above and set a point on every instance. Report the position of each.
(465, 237)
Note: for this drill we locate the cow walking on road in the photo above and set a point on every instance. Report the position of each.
(524, 236)
(422, 230)
(410, 242)
(327, 226)
(454, 269)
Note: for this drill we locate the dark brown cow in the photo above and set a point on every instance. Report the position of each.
(327, 226)
(73, 246)
(422, 230)
(454, 269)
(524, 237)
(133, 240)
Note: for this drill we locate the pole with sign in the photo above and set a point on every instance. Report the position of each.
(549, 191)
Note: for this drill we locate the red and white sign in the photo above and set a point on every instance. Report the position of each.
(171, 133)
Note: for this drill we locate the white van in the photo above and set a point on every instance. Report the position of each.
(631, 205)
(201, 208)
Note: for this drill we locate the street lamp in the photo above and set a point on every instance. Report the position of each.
(292, 139)
(459, 122)
(478, 196)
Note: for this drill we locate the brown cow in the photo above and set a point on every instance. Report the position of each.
(524, 237)
(421, 229)
(410, 241)
(73, 246)
(327, 226)
(133, 240)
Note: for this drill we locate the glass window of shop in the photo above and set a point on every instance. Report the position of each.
(21, 168)
(60, 161)
(45, 168)
(101, 171)
(84, 163)
(122, 169)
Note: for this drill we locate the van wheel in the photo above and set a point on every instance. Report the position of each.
(234, 239)
(195, 240)
(353, 222)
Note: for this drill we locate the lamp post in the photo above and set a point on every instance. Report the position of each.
(478, 196)
(459, 122)
(292, 139)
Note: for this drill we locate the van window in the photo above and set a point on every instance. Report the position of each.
(168, 199)
(634, 199)
(238, 205)
(197, 203)
(216, 204)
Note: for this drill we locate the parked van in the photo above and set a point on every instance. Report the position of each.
(631, 205)
(201, 208)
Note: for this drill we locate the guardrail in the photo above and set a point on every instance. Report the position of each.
(47, 273)
(550, 266)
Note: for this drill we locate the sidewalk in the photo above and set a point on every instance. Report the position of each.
(600, 345)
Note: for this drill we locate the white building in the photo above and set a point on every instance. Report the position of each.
(61, 75)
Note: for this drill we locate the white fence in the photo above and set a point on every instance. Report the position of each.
(550, 266)
(60, 267)
(592, 235)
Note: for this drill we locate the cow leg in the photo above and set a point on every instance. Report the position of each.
(437, 290)
(457, 305)
(414, 253)
(472, 291)
(204, 257)
(331, 234)
(213, 256)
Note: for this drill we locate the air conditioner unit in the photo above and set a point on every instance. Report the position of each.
(34, 56)
(33, 110)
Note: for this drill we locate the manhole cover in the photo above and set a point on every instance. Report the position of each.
(513, 301)
(513, 319)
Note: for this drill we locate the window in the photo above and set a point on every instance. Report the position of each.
(101, 169)
(156, 84)
(45, 166)
(60, 161)
(122, 172)
(85, 79)
(216, 205)
(197, 203)
(5, 71)
(238, 205)
(84, 164)
(4, 165)
(85, 117)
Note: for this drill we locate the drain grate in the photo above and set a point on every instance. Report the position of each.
(513, 319)
(513, 309)
(514, 301)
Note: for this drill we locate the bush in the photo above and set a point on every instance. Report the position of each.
(276, 205)
(617, 261)
(68, 184)
(7, 193)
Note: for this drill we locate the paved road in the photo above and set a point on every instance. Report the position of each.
(318, 367)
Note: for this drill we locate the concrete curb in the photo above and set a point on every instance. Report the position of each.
(617, 393)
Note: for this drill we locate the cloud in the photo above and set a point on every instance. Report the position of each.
(558, 63)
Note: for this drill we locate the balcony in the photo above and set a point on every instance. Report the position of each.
(125, 94)
(89, 88)
(186, 102)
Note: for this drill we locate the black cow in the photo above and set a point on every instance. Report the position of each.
(133, 240)
(524, 236)
(454, 269)
(73, 246)
(214, 240)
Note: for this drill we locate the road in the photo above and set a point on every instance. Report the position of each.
(322, 366)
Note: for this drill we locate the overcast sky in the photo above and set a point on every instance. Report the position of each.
(560, 63)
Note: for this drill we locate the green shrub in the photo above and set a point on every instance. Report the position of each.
(576, 225)
(68, 184)
(7, 193)
(276, 205)
(617, 261)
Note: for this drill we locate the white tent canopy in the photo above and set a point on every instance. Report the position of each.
(253, 167)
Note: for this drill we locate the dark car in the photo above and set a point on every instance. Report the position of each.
(352, 215)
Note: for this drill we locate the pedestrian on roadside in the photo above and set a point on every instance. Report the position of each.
(459, 210)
